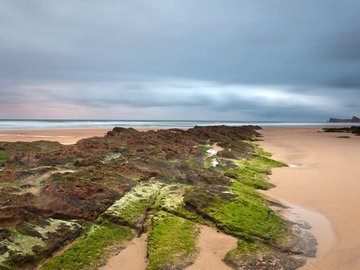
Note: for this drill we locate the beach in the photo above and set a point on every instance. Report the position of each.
(324, 178)
(64, 136)
(321, 184)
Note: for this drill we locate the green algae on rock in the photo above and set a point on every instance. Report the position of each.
(171, 242)
(131, 210)
(4, 155)
(30, 242)
(237, 210)
(19, 245)
(258, 256)
(91, 250)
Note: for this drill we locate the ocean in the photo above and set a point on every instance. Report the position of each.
(80, 124)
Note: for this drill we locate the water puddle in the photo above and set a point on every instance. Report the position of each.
(319, 226)
(293, 166)
(64, 171)
(214, 163)
(212, 152)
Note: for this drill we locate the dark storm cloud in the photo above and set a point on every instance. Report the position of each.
(235, 58)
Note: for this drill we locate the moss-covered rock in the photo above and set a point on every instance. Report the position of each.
(171, 242)
(131, 210)
(239, 211)
(257, 256)
(25, 244)
(91, 250)
(164, 182)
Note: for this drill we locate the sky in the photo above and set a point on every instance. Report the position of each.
(180, 59)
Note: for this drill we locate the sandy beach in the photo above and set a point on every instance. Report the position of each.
(322, 183)
(324, 178)
(213, 246)
(64, 136)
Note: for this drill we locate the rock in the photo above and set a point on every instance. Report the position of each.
(75, 199)
(354, 130)
(121, 177)
(352, 120)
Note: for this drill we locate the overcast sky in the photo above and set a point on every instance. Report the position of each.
(180, 59)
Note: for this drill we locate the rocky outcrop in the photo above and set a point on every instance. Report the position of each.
(354, 130)
(143, 181)
(352, 120)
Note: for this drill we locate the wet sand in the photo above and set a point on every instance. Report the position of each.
(213, 248)
(326, 180)
(64, 136)
(132, 257)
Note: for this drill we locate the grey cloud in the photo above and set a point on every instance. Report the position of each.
(257, 102)
(240, 41)
(114, 53)
(347, 82)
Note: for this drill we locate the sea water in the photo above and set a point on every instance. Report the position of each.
(74, 124)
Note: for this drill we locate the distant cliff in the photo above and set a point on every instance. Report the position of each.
(352, 120)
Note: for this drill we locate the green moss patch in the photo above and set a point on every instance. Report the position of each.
(171, 199)
(204, 148)
(246, 215)
(91, 250)
(240, 210)
(247, 249)
(110, 157)
(208, 163)
(18, 247)
(172, 241)
(54, 225)
(132, 208)
(259, 151)
(30, 242)
(255, 255)
(4, 156)
(253, 171)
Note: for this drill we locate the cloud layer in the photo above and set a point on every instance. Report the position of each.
(176, 100)
(236, 59)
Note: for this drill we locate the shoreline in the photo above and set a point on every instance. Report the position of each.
(314, 159)
(316, 183)
(72, 135)
(63, 136)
